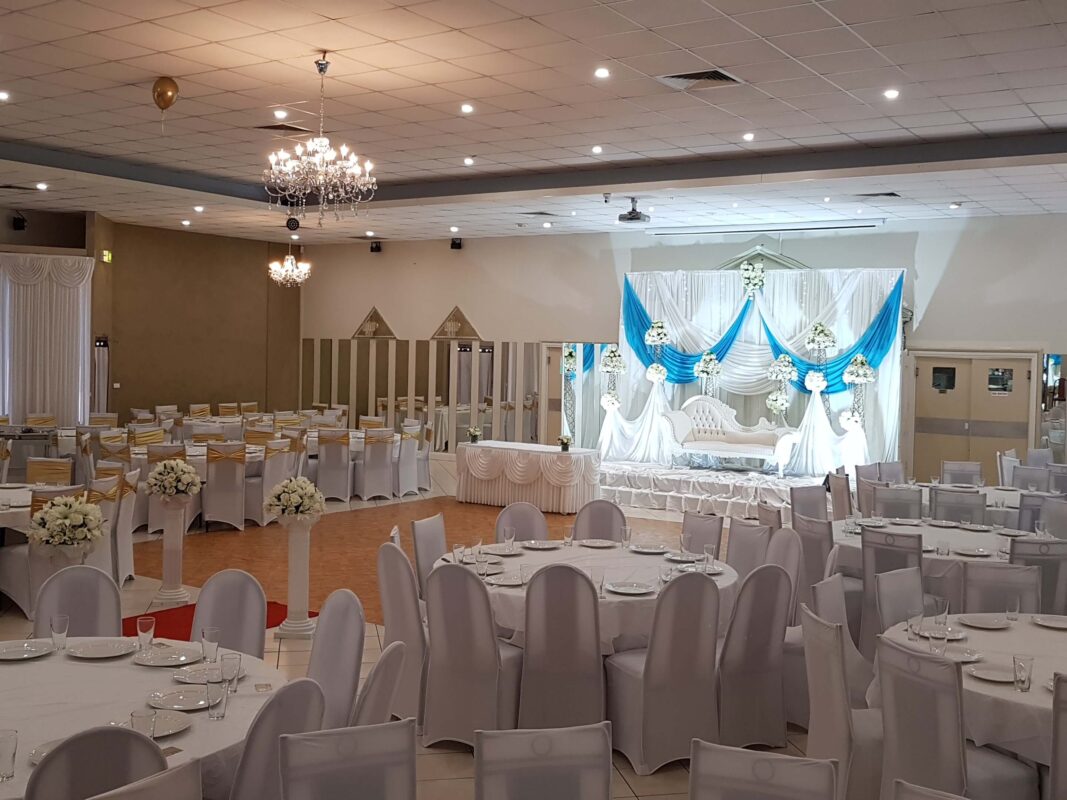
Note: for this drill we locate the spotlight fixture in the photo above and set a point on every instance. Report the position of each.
(748, 137)
(597, 149)
(376, 247)
(280, 113)
(369, 234)
(602, 72)
(891, 94)
(454, 229)
(198, 209)
(4, 97)
(292, 223)
(186, 223)
(467, 108)
(826, 199)
(456, 243)
(955, 205)
(469, 161)
(42, 187)
(546, 224)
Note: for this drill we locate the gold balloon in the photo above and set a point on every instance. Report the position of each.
(165, 92)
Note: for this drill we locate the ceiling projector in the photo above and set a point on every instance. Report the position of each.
(633, 215)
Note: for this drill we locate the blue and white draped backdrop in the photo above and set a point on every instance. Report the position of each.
(708, 311)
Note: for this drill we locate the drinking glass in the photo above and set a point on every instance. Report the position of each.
(146, 632)
(911, 480)
(231, 670)
(665, 573)
(851, 524)
(568, 536)
(627, 535)
(1024, 669)
(144, 721)
(683, 541)
(509, 539)
(481, 566)
(943, 548)
(981, 483)
(468, 556)
(457, 554)
(935, 480)
(216, 694)
(209, 643)
(59, 624)
(1032, 487)
(1013, 608)
(941, 612)
(915, 624)
(9, 743)
(596, 575)
(709, 557)
(938, 636)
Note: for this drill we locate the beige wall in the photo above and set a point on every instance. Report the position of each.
(194, 318)
(43, 229)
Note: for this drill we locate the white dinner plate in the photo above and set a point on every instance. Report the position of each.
(542, 544)
(504, 579)
(972, 552)
(493, 569)
(14, 486)
(25, 649)
(1049, 621)
(1012, 534)
(1007, 489)
(648, 549)
(954, 634)
(928, 548)
(102, 648)
(975, 526)
(909, 522)
(489, 559)
(963, 655)
(873, 523)
(629, 587)
(682, 558)
(597, 544)
(986, 622)
(714, 570)
(944, 523)
(190, 698)
(196, 674)
(167, 656)
(991, 672)
(168, 723)
(501, 550)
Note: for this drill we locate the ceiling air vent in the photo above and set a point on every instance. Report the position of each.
(10, 187)
(876, 195)
(705, 79)
(283, 127)
(537, 214)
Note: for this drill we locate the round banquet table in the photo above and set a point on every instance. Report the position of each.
(994, 713)
(55, 696)
(625, 621)
(996, 544)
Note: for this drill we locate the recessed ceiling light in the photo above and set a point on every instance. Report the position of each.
(186, 223)
(735, 205)
(294, 236)
(574, 213)
(467, 108)
(954, 206)
(651, 209)
(369, 233)
(602, 72)
(454, 229)
(891, 94)
(546, 224)
(42, 186)
(4, 97)
(859, 210)
(198, 209)
(748, 137)
(597, 149)
(469, 161)
(826, 199)
(280, 113)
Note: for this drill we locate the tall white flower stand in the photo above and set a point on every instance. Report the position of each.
(174, 507)
(297, 624)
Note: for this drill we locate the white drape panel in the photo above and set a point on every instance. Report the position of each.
(44, 335)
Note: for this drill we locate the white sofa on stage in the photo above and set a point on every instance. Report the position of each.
(708, 426)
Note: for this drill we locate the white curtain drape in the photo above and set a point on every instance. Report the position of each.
(45, 342)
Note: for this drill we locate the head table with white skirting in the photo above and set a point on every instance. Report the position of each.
(56, 695)
(498, 473)
(625, 620)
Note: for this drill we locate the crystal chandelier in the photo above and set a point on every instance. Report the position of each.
(334, 178)
(289, 272)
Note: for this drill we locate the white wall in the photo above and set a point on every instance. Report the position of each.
(976, 282)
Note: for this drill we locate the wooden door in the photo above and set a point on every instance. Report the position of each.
(1000, 410)
(942, 413)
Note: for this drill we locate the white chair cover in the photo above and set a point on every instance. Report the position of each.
(472, 678)
(336, 655)
(751, 697)
(1025, 477)
(105, 494)
(175, 783)
(423, 460)
(900, 502)
(662, 698)
(1006, 464)
(562, 764)
(276, 468)
(375, 702)
(957, 505)
(599, 519)
(335, 464)
(527, 520)
(428, 536)
(909, 791)
(93, 762)
(840, 496)
(746, 547)
(1050, 555)
(865, 495)
(867, 472)
(989, 587)
(399, 594)
(124, 525)
(898, 596)
(883, 552)
(87, 595)
(406, 468)
(1054, 517)
(769, 515)
(699, 530)
(816, 541)
(1039, 457)
(50, 471)
(969, 472)
(1030, 508)
(366, 422)
(784, 549)
(729, 773)
(374, 761)
(890, 472)
(562, 671)
(374, 473)
(5, 459)
(808, 501)
(1058, 768)
(828, 597)
(233, 601)
(296, 707)
(224, 492)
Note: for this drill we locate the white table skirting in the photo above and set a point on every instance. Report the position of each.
(499, 473)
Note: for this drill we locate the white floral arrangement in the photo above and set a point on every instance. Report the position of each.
(656, 373)
(296, 498)
(569, 364)
(858, 371)
(782, 369)
(563, 440)
(474, 433)
(778, 401)
(611, 362)
(657, 334)
(172, 477)
(815, 381)
(850, 420)
(820, 338)
(66, 521)
(709, 366)
(752, 277)
(609, 401)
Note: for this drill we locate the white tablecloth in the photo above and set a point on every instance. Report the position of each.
(497, 473)
(55, 696)
(620, 615)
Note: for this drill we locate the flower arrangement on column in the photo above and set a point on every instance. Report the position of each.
(656, 337)
(709, 370)
(568, 365)
(752, 277)
(298, 504)
(612, 365)
(68, 529)
(821, 340)
(858, 374)
(782, 370)
(175, 482)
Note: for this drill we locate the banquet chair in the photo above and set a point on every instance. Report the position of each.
(699, 530)
(249, 408)
(1051, 556)
(746, 546)
(229, 410)
(40, 496)
(295, 707)
(150, 435)
(405, 466)
(174, 783)
(124, 526)
(599, 519)
(562, 671)
(816, 540)
(968, 472)
(898, 502)
(867, 472)
(1030, 507)
(989, 587)
(375, 701)
(828, 598)
(204, 432)
(865, 495)
(368, 423)
(1058, 478)
(836, 728)
(199, 410)
(1034, 479)
(402, 619)
(51, 471)
(563, 763)
(40, 419)
(662, 697)
(423, 459)
(5, 459)
(156, 453)
(769, 515)
(428, 538)
(924, 733)
(373, 761)
(89, 598)
(224, 494)
(902, 790)
(808, 501)
(898, 596)
(526, 519)
(83, 456)
(891, 472)
(1057, 782)
(335, 464)
(255, 435)
(882, 552)
(258, 487)
(472, 683)
(1039, 457)
(142, 415)
(785, 550)
(103, 420)
(104, 494)
(840, 496)
(336, 655)
(1054, 516)
(374, 473)
(1006, 464)
(92, 762)
(751, 694)
(233, 601)
(303, 465)
(114, 448)
(730, 773)
(957, 505)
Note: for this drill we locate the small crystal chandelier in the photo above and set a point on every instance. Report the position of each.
(335, 178)
(289, 272)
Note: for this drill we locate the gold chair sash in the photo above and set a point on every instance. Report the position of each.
(37, 502)
(112, 438)
(228, 410)
(204, 438)
(258, 437)
(179, 422)
(5, 450)
(97, 497)
(99, 420)
(41, 420)
(333, 438)
(155, 456)
(249, 408)
(108, 472)
(84, 445)
(427, 434)
(147, 437)
(274, 450)
(214, 455)
(109, 451)
(55, 472)
(406, 435)
(126, 488)
(296, 443)
(369, 424)
(200, 413)
(5, 420)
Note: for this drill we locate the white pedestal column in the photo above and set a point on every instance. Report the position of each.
(297, 624)
(173, 542)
